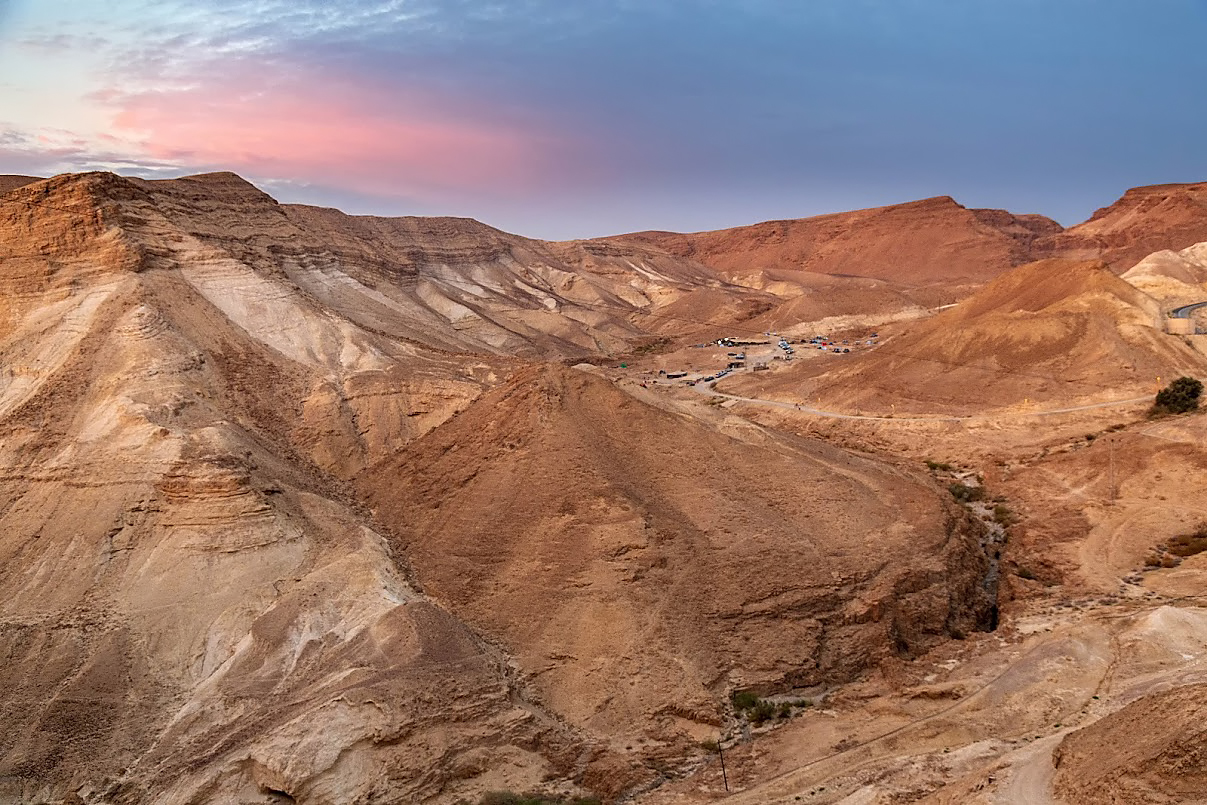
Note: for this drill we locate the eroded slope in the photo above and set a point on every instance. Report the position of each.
(641, 564)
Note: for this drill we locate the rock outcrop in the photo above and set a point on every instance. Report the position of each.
(1144, 220)
(203, 392)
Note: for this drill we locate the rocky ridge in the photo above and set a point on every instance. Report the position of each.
(205, 397)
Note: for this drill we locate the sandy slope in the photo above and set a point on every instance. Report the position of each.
(1174, 277)
(1047, 331)
(608, 541)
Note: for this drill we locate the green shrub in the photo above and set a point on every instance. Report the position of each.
(938, 465)
(1190, 544)
(1003, 516)
(744, 700)
(1178, 397)
(1027, 573)
(966, 494)
(763, 711)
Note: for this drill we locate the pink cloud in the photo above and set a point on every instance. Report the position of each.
(378, 140)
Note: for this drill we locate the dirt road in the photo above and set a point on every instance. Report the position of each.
(711, 392)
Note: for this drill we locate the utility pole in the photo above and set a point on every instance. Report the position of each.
(721, 752)
(1112, 489)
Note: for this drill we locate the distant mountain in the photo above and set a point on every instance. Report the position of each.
(1144, 220)
(12, 182)
(924, 242)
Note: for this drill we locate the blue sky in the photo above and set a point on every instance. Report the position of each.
(570, 119)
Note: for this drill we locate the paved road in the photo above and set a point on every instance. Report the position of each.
(706, 390)
(1184, 311)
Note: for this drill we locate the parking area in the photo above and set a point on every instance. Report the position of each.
(712, 361)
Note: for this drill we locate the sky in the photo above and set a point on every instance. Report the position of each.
(577, 118)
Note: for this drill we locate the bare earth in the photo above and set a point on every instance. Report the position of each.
(305, 507)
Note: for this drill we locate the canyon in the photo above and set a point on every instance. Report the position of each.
(299, 506)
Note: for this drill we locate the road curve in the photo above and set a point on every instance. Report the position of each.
(1184, 311)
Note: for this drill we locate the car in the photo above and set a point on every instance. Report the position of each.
(846, 350)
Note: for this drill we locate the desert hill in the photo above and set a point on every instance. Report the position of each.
(1144, 220)
(1049, 330)
(603, 538)
(924, 242)
(1175, 277)
(938, 241)
(199, 605)
(1149, 751)
(12, 182)
(450, 284)
(195, 607)
(301, 506)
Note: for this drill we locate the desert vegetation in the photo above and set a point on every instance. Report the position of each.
(1178, 547)
(1179, 397)
(512, 798)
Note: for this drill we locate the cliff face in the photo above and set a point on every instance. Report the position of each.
(930, 241)
(203, 392)
(194, 607)
(1144, 220)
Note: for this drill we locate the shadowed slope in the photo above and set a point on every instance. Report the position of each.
(12, 182)
(640, 563)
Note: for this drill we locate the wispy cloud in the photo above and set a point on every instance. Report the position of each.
(277, 90)
(643, 112)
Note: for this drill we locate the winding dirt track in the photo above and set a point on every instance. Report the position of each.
(711, 392)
